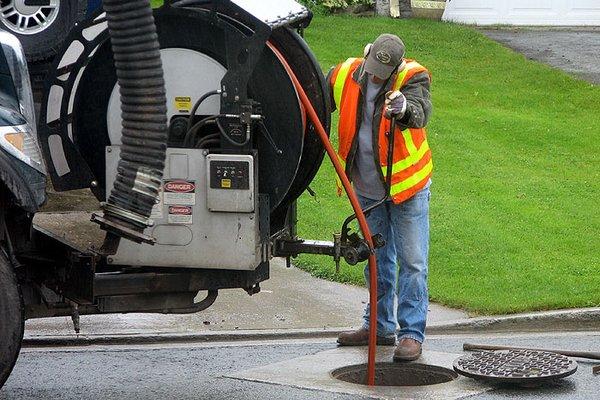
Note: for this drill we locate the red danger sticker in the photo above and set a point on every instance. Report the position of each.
(180, 210)
(179, 187)
(179, 192)
(180, 215)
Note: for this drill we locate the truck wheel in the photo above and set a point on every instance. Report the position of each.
(12, 319)
(41, 28)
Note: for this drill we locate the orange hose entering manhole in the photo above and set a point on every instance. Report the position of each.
(362, 221)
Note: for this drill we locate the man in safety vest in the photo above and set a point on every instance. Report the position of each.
(368, 93)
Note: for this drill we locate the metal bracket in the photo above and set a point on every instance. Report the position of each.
(355, 250)
(243, 53)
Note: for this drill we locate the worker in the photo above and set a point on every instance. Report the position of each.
(368, 93)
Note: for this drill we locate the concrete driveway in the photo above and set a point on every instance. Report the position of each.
(575, 51)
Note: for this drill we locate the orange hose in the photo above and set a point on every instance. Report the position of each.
(362, 221)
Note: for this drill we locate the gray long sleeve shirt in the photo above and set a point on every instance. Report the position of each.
(365, 173)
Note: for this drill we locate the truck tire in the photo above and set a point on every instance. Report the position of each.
(41, 29)
(12, 319)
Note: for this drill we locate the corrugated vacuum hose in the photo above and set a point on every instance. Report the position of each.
(143, 106)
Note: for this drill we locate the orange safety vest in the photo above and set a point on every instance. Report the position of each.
(412, 165)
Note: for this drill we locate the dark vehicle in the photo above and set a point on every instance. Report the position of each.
(22, 188)
(211, 94)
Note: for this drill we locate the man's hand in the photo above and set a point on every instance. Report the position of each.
(395, 104)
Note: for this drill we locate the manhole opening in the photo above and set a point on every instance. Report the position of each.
(396, 374)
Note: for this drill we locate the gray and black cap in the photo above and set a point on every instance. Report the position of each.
(386, 54)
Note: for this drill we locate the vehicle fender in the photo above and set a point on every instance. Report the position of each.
(26, 184)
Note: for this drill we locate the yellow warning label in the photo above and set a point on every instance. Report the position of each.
(226, 183)
(183, 104)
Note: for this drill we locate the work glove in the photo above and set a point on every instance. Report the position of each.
(395, 104)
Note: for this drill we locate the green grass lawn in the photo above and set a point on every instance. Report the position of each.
(515, 222)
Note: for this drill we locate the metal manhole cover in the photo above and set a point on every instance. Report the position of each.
(515, 366)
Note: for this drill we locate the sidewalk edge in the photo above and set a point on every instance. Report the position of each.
(158, 338)
(550, 321)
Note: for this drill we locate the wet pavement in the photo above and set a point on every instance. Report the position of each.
(200, 371)
(575, 51)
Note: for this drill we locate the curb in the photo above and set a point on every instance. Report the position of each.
(587, 319)
(158, 338)
(582, 319)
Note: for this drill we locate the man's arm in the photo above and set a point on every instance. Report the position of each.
(418, 99)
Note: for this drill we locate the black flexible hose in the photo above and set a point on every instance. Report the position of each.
(205, 143)
(143, 105)
(197, 105)
(211, 137)
(230, 139)
(190, 137)
(187, 141)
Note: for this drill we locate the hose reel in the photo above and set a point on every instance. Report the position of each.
(82, 110)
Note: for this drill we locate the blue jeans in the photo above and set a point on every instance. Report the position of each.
(401, 265)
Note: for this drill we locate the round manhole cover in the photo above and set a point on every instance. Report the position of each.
(396, 374)
(515, 366)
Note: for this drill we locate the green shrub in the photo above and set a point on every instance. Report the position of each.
(327, 6)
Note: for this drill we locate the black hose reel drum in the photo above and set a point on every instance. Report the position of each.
(81, 111)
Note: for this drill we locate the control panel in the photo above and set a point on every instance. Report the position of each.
(231, 175)
(231, 183)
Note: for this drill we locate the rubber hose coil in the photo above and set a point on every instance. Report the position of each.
(139, 71)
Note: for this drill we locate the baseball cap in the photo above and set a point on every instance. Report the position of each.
(385, 56)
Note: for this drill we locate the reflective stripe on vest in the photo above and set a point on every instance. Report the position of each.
(413, 157)
(402, 74)
(413, 180)
(338, 87)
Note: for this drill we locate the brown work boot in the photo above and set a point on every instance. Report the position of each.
(361, 338)
(407, 350)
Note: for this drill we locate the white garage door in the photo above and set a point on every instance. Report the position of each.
(524, 12)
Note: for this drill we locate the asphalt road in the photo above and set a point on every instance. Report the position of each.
(195, 371)
(574, 51)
